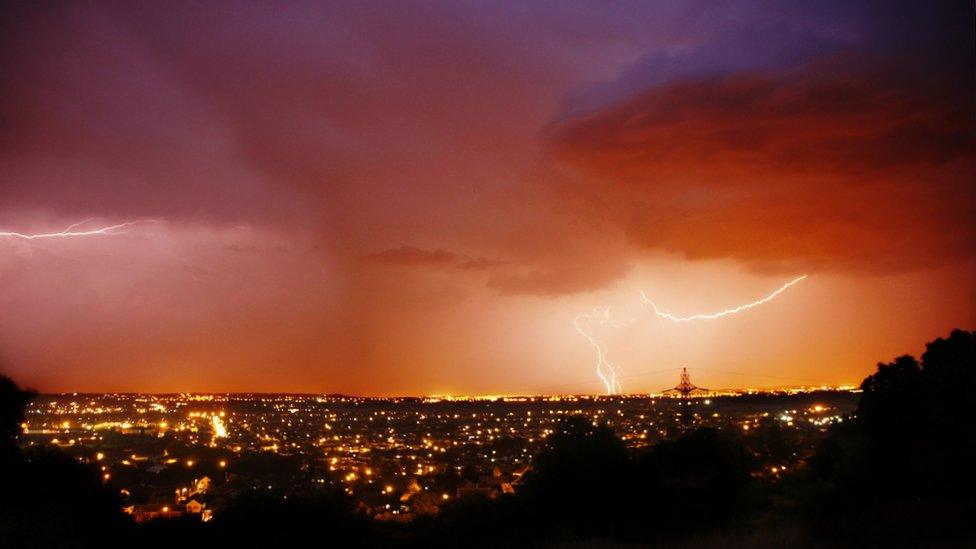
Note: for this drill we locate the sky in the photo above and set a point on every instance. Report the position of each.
(423, 198)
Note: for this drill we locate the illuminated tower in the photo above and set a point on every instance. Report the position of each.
(685, 387)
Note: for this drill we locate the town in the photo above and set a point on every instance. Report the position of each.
(176, 454)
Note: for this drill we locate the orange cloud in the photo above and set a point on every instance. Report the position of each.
(846, 163)
(411, 256)
(557, 280)
(572, 272)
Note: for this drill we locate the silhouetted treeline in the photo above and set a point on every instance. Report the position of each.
(899, 472)
(905, 469)
(586, 485)
(47, 499)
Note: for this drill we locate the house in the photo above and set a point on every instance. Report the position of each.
(195, 507)
(495, 484)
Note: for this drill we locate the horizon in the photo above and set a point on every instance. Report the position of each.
(496, 394)
(712, 393)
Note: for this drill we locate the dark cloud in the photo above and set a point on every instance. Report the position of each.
(852, 161)
(410, 256)
(480, 264)
(561, 279)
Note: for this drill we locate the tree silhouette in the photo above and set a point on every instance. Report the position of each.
(267, 519)
(577, 480)
(696, 481)
(49, 499)
(13, 403)
(903, 468)
(586, 485)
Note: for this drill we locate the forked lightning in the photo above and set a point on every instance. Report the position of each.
(607, 373)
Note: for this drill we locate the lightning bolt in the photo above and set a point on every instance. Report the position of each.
(71, 232)
(607, 373)
(726, 312)
(604, 370)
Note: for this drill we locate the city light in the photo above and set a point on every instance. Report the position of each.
(219, 430)
(388, 447)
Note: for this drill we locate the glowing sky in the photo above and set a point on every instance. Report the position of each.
(419, 198)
